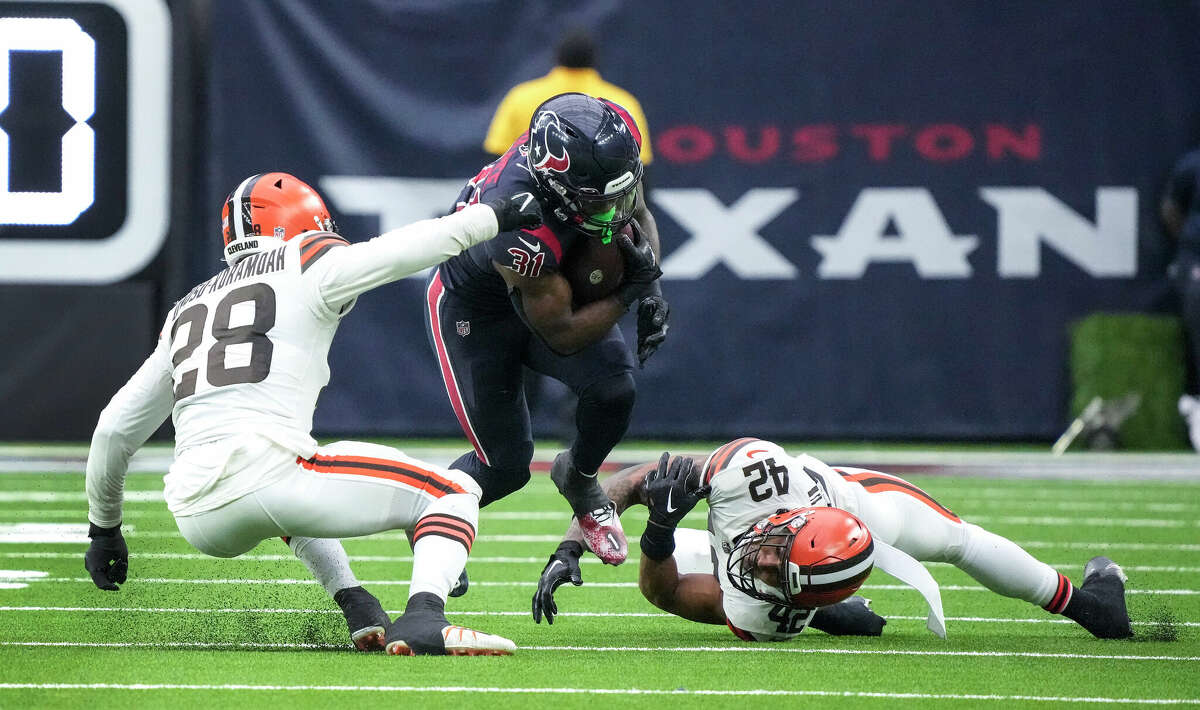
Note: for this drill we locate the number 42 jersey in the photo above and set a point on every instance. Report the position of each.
(752, 479)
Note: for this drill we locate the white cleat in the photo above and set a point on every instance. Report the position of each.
(461, 641)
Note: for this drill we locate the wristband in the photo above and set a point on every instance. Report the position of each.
(570, 547)
(658, 542)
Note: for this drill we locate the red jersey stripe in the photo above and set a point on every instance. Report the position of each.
(911, 490)
(716, 462)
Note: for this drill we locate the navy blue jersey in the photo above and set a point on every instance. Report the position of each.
(529, 252)
(1184, 190)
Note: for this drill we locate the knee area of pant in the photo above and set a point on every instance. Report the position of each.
(618, 392)
(499, 486)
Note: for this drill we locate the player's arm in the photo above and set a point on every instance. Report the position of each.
(544, 301)
(692, 596)
(672, 489)
(625, 488)
(354, 269)
(133, 414)
(653, 310)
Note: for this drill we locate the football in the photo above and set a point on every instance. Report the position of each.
(594, 269)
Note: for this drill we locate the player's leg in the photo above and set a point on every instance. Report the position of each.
(351, 488)
(240, 525)
(479, 357)
(602, 376)
(908, 518)
(327, 561)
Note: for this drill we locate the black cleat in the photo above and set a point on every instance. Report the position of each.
(583, 492)
(424, 631)
(365, 617)
(1105, 580)
(460, 587)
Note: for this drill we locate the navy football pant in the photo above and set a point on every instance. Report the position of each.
(481, 355)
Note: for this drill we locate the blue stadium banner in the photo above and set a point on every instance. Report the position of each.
(878, 218)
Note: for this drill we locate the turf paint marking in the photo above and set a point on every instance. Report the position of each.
(616, 614)
(592, 691)
(627, 649)
(605, 585)
(540, 560)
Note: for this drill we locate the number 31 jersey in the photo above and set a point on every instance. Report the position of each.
(752, 479)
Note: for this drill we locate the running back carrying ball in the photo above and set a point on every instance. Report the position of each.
(593, 268)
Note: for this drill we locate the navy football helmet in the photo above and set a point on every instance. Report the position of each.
(586, 158)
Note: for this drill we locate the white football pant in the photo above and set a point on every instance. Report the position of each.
(350, 489)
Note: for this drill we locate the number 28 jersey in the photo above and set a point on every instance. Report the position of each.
(218, 336)
(242, 359)
(752, 479)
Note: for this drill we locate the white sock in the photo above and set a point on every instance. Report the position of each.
(442, 539)
(326, 560)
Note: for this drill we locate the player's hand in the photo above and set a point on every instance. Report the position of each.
(852, 617)
(517, 211)
(641, 267)
(107, 558)
(653, 312)
(563, 567)
(673, 489)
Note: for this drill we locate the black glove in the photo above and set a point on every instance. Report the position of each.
(641, 267)
(107, 558)
(852, 617)
(653, 312)
(517, 211)
(563, 567)
(673, 489)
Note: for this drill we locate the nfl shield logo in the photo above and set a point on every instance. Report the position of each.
(463, 327)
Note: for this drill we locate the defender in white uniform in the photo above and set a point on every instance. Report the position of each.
(239, 365)
(747, 481)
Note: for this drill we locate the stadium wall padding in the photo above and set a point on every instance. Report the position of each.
(878, 220)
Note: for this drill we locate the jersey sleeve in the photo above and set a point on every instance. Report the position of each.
(133, 414)
(530, 253)
(347, 270)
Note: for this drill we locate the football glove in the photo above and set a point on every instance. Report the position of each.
(653, 312)
(563, 567)
(673, 489)
(852, 617)
(107, 558)
(516, 212)
(641, 267)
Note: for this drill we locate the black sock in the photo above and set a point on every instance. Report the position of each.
(425, 603)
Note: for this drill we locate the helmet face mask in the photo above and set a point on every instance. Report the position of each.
(586, 161)
(267, 209)
(803, 558)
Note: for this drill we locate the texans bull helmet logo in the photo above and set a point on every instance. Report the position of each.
(550, 153)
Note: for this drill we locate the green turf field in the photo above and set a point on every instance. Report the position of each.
(195, 631)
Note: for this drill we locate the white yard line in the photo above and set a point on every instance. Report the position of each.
(764, 648)
(583, 614)
(538, 560)
(601, 691)
(530, 583)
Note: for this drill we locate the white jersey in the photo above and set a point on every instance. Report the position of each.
(243, 357)
(752, 479)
